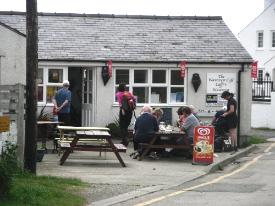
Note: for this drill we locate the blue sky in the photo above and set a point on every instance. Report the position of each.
(236, 13)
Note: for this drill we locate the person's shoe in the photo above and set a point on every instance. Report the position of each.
(125, 143)
(154, 156)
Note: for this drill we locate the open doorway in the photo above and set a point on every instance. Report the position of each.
(75, 79)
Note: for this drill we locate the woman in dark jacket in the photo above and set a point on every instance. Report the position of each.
(231, 117)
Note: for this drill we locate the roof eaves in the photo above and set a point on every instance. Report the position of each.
(12, 29)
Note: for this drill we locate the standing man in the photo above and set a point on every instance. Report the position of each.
(62, 102)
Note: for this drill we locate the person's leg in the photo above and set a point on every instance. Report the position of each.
(233, 135)
(123, 128)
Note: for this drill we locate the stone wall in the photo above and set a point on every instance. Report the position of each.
(12, 101)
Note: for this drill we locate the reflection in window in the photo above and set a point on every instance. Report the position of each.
(159, 76)
(122, 76)
(140, 76)
(51, 91)
(175, 78)
(40, 76)
(177, 94)
(40, 94)
(158, 95)
(55, 75)
(141, 93)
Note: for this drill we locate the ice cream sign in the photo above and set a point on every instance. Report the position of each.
(203, 145)
(219, 82)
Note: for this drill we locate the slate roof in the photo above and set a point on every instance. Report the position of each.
(132, 38)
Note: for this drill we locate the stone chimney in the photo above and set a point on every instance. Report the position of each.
(267, 3)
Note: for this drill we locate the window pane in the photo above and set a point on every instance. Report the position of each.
(273, 39)
(55, 75)
(51, 91)
(175, 78)
(159, 76)
(158, 95)
(177, 94)
(122, 76)
(141, 94)
(260, 39)
(40, 94)
(140, 76)
(40, 76)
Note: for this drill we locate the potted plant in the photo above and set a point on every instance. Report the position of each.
(40, 154)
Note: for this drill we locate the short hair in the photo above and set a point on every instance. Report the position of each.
(185, 110)
(121, 87)
(147, 108)
(66, 83)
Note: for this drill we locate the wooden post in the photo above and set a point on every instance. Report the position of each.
(31, 95)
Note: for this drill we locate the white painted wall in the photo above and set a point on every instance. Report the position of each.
(264, 22)
(12, 57)
(262, 115)
(106, 112)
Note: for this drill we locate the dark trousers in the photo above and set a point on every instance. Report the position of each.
(124, 122)
(65, 118)
(138, 140)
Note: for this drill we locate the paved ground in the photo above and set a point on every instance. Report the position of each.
(111, 183)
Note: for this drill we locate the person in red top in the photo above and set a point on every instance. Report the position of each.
(125, 115)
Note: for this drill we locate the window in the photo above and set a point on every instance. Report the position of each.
(49, 80)
(154, 86)
(260, 76)
(260, 39)
(273, 39)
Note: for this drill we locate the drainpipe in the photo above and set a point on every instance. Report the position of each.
(239, 105)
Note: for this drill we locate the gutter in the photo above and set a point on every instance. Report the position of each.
(239, 105)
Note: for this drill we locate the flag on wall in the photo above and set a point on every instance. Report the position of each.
(254, 69)
(182, 69)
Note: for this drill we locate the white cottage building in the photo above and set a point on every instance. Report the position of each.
(258, 37)
(147, 53)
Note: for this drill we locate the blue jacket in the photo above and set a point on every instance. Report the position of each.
(146, 125)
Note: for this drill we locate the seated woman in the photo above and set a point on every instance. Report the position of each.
(157, 113)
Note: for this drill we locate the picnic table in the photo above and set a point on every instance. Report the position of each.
(44, 127)
(96, 139)
(168, 140)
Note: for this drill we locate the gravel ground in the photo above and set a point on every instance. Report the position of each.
(104, 191)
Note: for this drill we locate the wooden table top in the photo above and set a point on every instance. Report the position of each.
(82, 128)
(48, 122)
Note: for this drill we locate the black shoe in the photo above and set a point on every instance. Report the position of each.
(125, 142)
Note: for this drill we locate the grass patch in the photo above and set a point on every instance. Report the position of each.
(264, 128)
(256, 140)
(29, 190)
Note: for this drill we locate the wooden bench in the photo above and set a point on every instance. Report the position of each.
(91, 141)
(166, 136)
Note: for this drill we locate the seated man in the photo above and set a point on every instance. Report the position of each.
(145, 127)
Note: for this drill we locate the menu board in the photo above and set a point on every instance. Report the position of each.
(219, 82)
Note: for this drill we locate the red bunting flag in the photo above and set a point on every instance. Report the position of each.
(254, 69)
(110, 67)
(182, 69)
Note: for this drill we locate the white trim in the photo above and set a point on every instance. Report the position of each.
(151, 85)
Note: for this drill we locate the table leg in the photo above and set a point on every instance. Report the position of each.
(115, 151)
(68, 151)
(148, 147)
